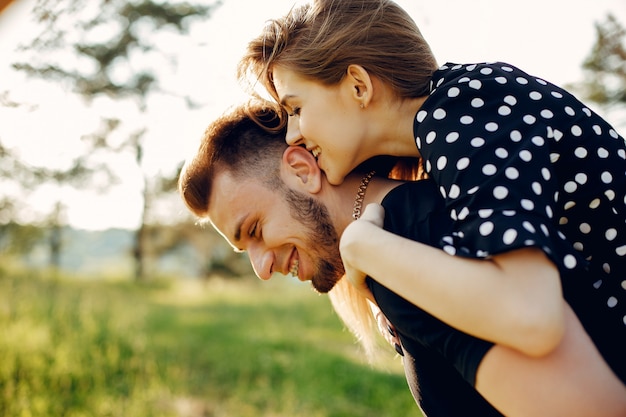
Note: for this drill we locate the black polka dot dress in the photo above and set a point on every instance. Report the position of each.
(521, 162)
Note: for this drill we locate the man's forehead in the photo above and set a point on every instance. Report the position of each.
(233, 200)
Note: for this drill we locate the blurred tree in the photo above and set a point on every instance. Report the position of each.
(605, 66)
(113, 57)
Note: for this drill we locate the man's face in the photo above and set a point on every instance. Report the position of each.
(282, 230)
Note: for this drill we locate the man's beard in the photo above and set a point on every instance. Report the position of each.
(322, 236)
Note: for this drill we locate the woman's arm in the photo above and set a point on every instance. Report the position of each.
(513, 299)
(572, 380)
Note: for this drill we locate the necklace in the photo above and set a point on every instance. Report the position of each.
(360, 195)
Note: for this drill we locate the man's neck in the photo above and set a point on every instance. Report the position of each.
(340, 198)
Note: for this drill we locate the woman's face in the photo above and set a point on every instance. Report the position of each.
(325, 119)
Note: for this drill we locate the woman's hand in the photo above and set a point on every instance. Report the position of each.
(386, 329)
(357, 232)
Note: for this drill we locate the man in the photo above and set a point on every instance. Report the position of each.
(274, 202)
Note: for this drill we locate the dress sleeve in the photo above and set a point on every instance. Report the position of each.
(485, 144)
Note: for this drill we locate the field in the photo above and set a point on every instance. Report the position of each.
(85, 347)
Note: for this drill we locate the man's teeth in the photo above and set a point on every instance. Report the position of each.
(316, 151)
(294, 268)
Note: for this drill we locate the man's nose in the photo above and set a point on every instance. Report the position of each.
(293, 137)
(262, 261)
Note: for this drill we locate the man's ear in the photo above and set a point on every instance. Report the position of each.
(360, 83)
(299, 170)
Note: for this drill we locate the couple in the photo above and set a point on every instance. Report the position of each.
(273, 201)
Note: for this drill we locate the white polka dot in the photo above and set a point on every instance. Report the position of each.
(569, 111)
(439, 114)
(569, 261)
(547, 114)
(486, 71)
(442, 162)
(597, 284)
(580, 152)
(536, 188)
(500, 192)
(467, 120)
(462, 163)
(471, 67)
(455, 191)
(556, 94)
(491, 127)
(606, 177)
(522, 80)
(610, 194)
(507, 69)
(464, 80)
(463, 213)
(597, 129)
(585, 228)
(486, 228)
(538, 140)
(535, 95)
(504, 110)
(510, 100)
(442, 191)
(595, 203)
(452, 137)
(500, 80)
(558, 135)
(610, 234)
(603, 153)
(525, 155)
(511, 173)
(418, 141)
(453, 92)
(545, 173)
(428, 166)
(484, 213)
(509, 236)
(570, 186)
(581, 178)
(587, 112)
(489, 169)
(421, 115)
(611, 302)
(576, 130)
(527, 204)
(613, 134)
(477, 103)
(529, 119)
(449, 249)
(477, 142)
(540, 81)
(475, 84)
(528, 226)
(473, 190)
(621, 251)
(569, 204)
(502, 153)
(431, 136)
(515, 136)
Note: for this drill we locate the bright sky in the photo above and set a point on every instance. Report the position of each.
(548, 38)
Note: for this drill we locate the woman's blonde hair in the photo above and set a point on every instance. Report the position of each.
(319, 40)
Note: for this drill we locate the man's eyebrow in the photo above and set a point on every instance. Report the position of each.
(238, 226)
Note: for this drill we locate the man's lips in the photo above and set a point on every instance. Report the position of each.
(294, 263)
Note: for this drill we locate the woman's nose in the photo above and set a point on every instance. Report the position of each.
(293, 136)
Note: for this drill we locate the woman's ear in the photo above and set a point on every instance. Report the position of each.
(360, 83)
(299, 170)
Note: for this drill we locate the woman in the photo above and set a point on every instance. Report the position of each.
(533, 181)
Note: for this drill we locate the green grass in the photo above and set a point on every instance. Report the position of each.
(223, 349)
